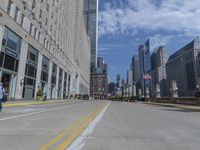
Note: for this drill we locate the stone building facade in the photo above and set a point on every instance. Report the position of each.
(184, 67)
(99, 80)
(158, 71)
(44, 44)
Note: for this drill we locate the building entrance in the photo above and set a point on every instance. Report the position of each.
(8, 81)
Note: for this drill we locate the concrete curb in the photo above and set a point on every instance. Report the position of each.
(25, 103)
(186, 107)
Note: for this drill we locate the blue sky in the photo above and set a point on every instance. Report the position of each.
(124, 24)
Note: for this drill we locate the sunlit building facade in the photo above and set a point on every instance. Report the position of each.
(44, 45)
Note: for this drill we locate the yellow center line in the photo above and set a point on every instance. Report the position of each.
(78, 131)
(73, 126)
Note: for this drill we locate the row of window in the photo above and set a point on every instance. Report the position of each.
(33, 31)
(9, 59)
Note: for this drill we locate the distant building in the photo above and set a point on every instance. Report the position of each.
(135, 72)
(91, 17)
(100, 62)
(111, 88)
(118, 81)
(184, 67)
(145, 65)
(147, 56)
(158, 72)
(141, 52)
(130, 82)
(99, 80)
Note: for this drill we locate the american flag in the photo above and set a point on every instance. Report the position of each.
(147, 77)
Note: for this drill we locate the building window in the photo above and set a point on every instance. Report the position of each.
(54, 74)
(46, 21)
(16, 13)
(30, 73)
(9, 6)
(39, 36)
(11, 41)
(40, 15)
(45, 69)
(31, 27)
(47, 7)
(22, 19)
(35, 33)
(33, 4)
(190, 76)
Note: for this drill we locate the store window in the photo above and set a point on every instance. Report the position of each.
(45, 69)
(30, 73)
(11, 45)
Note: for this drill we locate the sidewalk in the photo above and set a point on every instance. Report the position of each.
(32, 102)
(186, 107)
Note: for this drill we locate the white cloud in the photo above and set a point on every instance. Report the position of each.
(180, 16)
(158, 40)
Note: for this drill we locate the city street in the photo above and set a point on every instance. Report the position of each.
(98, 125)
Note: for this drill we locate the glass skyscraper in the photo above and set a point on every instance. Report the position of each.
(91, 19)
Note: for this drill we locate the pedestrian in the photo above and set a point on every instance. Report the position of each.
(1, 95)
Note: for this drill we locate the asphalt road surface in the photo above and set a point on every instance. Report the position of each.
(98, 125)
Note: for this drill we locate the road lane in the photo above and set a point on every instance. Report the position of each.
(21, 109)
(131, 126)
(35, 130)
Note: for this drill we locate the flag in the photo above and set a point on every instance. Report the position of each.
(147, 77)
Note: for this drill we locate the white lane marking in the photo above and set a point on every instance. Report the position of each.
(79, 143)
(42, 111)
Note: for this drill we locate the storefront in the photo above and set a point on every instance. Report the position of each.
(53, 81)
(9, 61)
(30, 73)
(60, 83)
(44, 75)
(65, 86)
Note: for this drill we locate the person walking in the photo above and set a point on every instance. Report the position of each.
(1, 95)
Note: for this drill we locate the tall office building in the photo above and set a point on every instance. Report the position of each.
(100, 62)
(91, 19)
(111, 88)
(135, 73)
(43, 45)
(130, 82)
(145, 64)
(158, 72)
(118, 81)
(184, 67)
(141, 52)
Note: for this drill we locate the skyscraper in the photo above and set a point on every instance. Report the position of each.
(118, 80)
(100, 62)
(158, 72)
(135, 73)
(141, 51)
(130, 81)
(135, 68)
(145, 64)
(91, 19)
